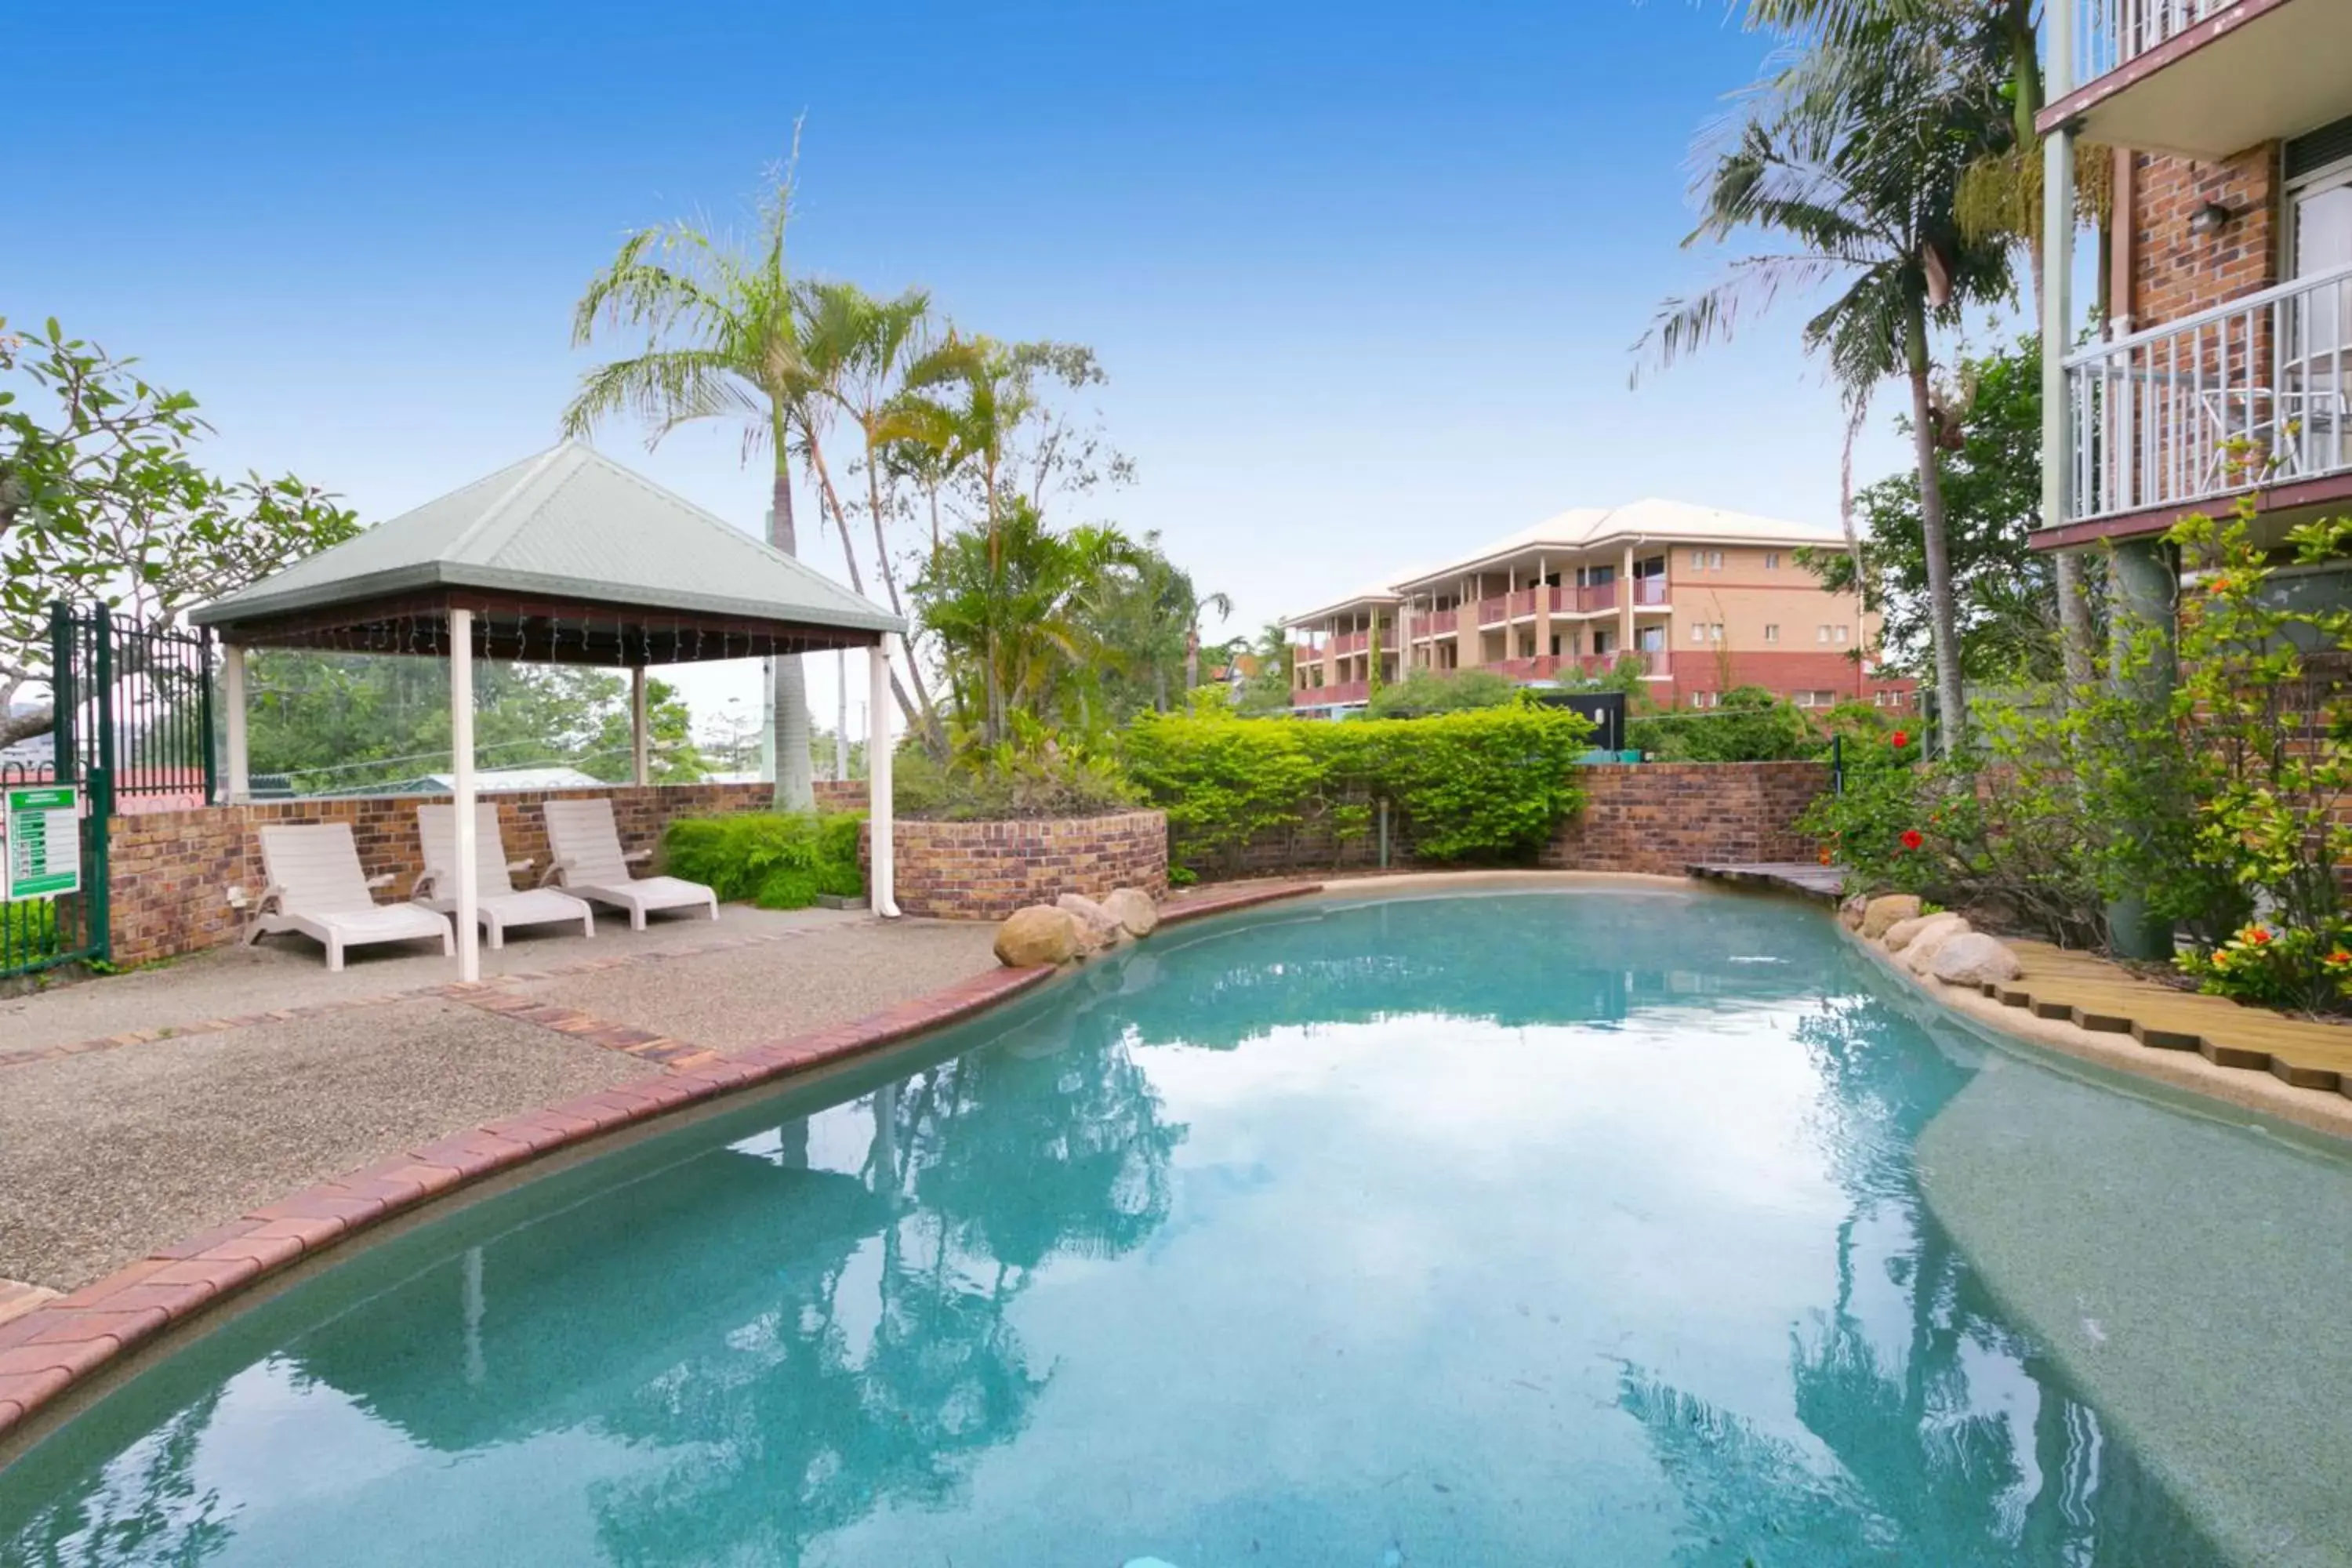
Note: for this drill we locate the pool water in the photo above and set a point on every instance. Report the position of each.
(1512, 1228)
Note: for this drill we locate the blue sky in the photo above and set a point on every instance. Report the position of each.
(1365, 278)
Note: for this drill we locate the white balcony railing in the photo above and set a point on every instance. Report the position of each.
(2111, 34)
(2258, 390)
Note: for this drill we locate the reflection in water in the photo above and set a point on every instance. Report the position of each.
(930, 1307)
(1950, 1434)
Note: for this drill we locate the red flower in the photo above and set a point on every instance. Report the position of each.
(1901, 738)
(2339, 959)
(2259, 935)
(1913, 838)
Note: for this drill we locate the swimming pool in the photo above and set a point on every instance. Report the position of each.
(1603, 1226)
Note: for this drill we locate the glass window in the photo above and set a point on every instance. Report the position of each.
(1772, 561)
(1771, 632)
(1821, 634)
(1839, 636)
(1698, 560)
(1715, 632)
(1715, 560)
(1698, 631)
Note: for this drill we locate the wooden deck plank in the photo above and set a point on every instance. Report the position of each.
(2094, 993)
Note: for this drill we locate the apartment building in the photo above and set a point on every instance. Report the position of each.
(2227, 327)
(1701, 600)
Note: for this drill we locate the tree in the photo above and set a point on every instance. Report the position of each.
(1853, 150)
(1152, 616)
(1268, 688)
(348, 721)
(1999, 196)
(1425, 691)
(1014, 610)
(1988, 462)
(722, 340)
(102, 501)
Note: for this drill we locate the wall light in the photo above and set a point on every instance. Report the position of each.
(2210, 218)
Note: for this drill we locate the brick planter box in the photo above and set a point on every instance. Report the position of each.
(985, 870)
(1662, 816)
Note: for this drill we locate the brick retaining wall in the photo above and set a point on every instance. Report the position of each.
(1651, 816)
(985, 870)
(171, 871)
(1662, 816)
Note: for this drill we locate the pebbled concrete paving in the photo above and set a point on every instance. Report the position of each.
(106, 1156)
(291, 972)
(729, 1001)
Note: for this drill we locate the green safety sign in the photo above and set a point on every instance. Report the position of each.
(42, 850)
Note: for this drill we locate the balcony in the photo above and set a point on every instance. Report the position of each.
(1346, 643)
(1649, 591)
(1585, 599)
(2255, 391)
(1570, 666)
(1339, 695)
(1437, 623)
(2205, 77)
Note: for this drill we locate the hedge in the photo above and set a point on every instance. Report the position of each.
(1486, 785)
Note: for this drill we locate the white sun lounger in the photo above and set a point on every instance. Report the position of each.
(588, 863)
(497, 904)
(316, 887)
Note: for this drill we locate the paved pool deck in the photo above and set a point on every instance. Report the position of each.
(138, 1108)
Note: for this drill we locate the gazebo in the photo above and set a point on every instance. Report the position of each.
(563, 558)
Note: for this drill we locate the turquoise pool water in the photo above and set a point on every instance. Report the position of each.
(1581, 1228)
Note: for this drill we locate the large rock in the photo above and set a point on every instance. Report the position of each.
(1133, 909)
(1883, 912)
(1097, 927)
(1038, 934)
(1850, 912)
(1921, 950)
(1973, 958)
(1898, 935)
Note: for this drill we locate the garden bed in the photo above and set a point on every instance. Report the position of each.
(985, 870)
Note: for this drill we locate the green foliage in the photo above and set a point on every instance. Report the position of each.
(1425, 691)
(778, 860)
(1750, 726)
(1480, 785)
(100, 498)
(1988, 458)
(1031, 774)
(2265, 710)
(338, 722)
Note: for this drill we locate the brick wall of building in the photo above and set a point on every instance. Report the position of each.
(2176, 270)
(985, 870)
(171, 871)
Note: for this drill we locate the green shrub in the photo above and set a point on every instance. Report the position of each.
(778, 860)
(1035, 774)
(1750, 726)
(1481, 784)
(1427, 691)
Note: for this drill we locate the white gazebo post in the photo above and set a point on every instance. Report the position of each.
(881, 871)
(237, 783)
(461, 749)
(641, 768)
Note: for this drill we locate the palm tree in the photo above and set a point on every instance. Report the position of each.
(721, 341)
(1851, 152)
(1014, 608)
(2000, 195)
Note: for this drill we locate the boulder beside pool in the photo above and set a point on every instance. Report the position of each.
(1133, 909)
(1973, 958)
(1037, 934)
(1883, 912)
(1898, 935)
(1097, 927)
(1921, 950)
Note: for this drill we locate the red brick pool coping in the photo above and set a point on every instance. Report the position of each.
(49, 1350)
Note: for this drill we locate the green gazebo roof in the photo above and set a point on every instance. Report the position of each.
(571, 556)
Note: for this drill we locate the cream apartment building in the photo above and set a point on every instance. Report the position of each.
(1701, 599)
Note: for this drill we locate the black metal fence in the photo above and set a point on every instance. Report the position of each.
(131, 729)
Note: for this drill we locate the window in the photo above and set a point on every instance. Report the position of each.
(1715, 632)
(1822, 634)
(1698, 560)
(1698, 631)
(1813, 699)
(1838, 634)
(1772, 561)
(1707, 700)
(1650, 639)
(1715, 560)
(1772, 631)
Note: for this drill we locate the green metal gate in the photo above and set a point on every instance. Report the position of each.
(132, 728)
